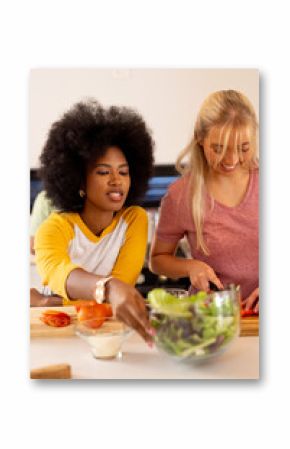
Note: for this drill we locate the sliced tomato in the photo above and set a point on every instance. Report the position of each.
(55, 318)
(95, 314)
(82, 302)
(108, 309)
(249, 312)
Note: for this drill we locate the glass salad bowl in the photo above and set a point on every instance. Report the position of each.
(194, 327)
(106, 339)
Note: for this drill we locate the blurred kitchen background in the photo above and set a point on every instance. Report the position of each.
(168, 99)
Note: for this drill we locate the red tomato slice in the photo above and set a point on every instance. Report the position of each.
(95, 314)
(249, 312)
(108, 309)
(55, 318)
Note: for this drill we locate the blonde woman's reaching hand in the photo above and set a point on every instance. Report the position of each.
(200, 274)
(163, 261)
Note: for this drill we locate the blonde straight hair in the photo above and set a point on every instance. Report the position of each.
(229, 111)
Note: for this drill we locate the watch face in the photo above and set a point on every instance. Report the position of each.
(99, 292)
(100, 289)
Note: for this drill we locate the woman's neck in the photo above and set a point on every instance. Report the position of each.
(228, 190)
(96, 220)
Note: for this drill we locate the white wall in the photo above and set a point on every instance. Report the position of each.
(168, 99)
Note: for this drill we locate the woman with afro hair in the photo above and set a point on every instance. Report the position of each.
(95, 165)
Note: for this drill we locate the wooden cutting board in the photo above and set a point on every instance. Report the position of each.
(40, 329)
(249, 326)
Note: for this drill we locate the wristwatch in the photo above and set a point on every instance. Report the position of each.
(100, 289)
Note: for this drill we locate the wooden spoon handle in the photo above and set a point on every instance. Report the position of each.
(61, 371)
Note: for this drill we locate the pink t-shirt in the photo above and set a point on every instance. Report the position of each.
(231, 233)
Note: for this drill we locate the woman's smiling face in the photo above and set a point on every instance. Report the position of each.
(108, 181)
(226, 154)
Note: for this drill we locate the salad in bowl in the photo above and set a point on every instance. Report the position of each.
(194, 327)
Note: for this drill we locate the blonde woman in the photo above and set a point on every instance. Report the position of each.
(215, 202)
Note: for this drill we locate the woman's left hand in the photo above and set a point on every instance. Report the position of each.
(252, 299)
(39, 300)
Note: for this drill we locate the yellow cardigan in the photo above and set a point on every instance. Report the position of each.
(63, 242)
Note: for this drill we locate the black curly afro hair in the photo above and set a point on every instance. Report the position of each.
(82, 135)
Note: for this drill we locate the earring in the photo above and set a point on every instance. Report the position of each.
(82, 193)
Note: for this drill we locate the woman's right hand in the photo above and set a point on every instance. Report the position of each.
(200, 274)
(128, 306)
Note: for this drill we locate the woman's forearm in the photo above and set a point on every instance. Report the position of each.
(170, 266)
(81, 285)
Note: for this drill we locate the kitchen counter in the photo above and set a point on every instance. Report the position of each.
(239, 361)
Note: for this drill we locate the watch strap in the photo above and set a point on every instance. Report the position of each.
(100, 289)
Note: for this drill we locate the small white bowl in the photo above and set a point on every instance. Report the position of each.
(105, 341)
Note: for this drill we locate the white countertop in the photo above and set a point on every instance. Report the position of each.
(239, 361)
